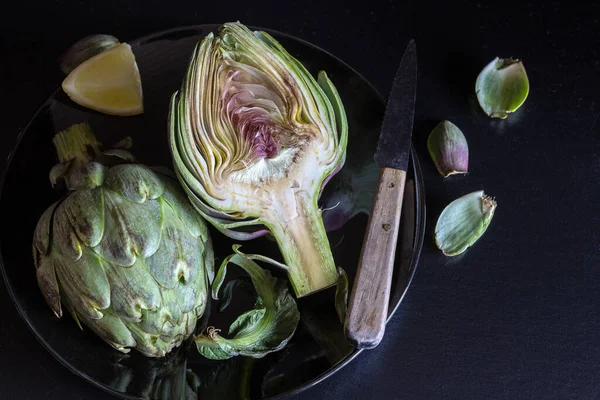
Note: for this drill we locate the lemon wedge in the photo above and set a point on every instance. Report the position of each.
(108, 82)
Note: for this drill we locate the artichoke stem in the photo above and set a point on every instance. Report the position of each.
(303, 243)
(76, 142)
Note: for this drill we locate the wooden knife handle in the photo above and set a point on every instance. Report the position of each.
(369, 299)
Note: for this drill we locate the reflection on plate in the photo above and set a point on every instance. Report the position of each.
(318, 348)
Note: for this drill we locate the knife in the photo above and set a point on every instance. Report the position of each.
(364, 324)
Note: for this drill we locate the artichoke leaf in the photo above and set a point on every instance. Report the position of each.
(133, 289)
(46, 277)
(266, 328)
(463, 222)
(173, 317)
(87, 175)
(109, 328)
(120, 153)
(58, 172)
(185, 211)
(124, 220)
(85, 211)
(41, 235)
(136, 182)
(176, 260)
(86, 280)
(64, 237)
(126, 143)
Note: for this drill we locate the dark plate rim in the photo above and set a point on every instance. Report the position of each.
(417, 244)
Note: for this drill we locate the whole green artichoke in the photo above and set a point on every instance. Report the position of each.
(124, 251)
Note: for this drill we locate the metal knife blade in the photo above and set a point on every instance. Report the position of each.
(393, 149)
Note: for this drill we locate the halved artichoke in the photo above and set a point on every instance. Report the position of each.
(255, 138)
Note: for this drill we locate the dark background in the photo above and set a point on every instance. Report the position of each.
(517, 315)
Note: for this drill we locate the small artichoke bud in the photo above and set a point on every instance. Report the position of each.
(448, 149)
(502, 87)
(463, 222)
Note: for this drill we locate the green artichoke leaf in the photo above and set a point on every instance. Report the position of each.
(266, 328)
(85, 211)
(41, 235)
(174, 196)
(87, 281)
(463, 222)
(58, 172)
(336, 101)
(110, 327)
(133, 289)
(46, 277)
(121, 153)
(124, 220)
(79, 176)
(64, 235)
(136, 182)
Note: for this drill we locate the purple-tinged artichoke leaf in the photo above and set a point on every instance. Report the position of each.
(448, 149)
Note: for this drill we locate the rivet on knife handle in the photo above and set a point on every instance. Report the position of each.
(369, 299)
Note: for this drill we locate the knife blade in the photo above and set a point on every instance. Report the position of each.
(367, 311)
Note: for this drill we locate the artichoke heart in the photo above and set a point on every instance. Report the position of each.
(124, 251)
(254, 138)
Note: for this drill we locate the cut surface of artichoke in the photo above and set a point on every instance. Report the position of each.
(254, 138)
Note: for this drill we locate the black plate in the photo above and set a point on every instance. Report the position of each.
(318, 348)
